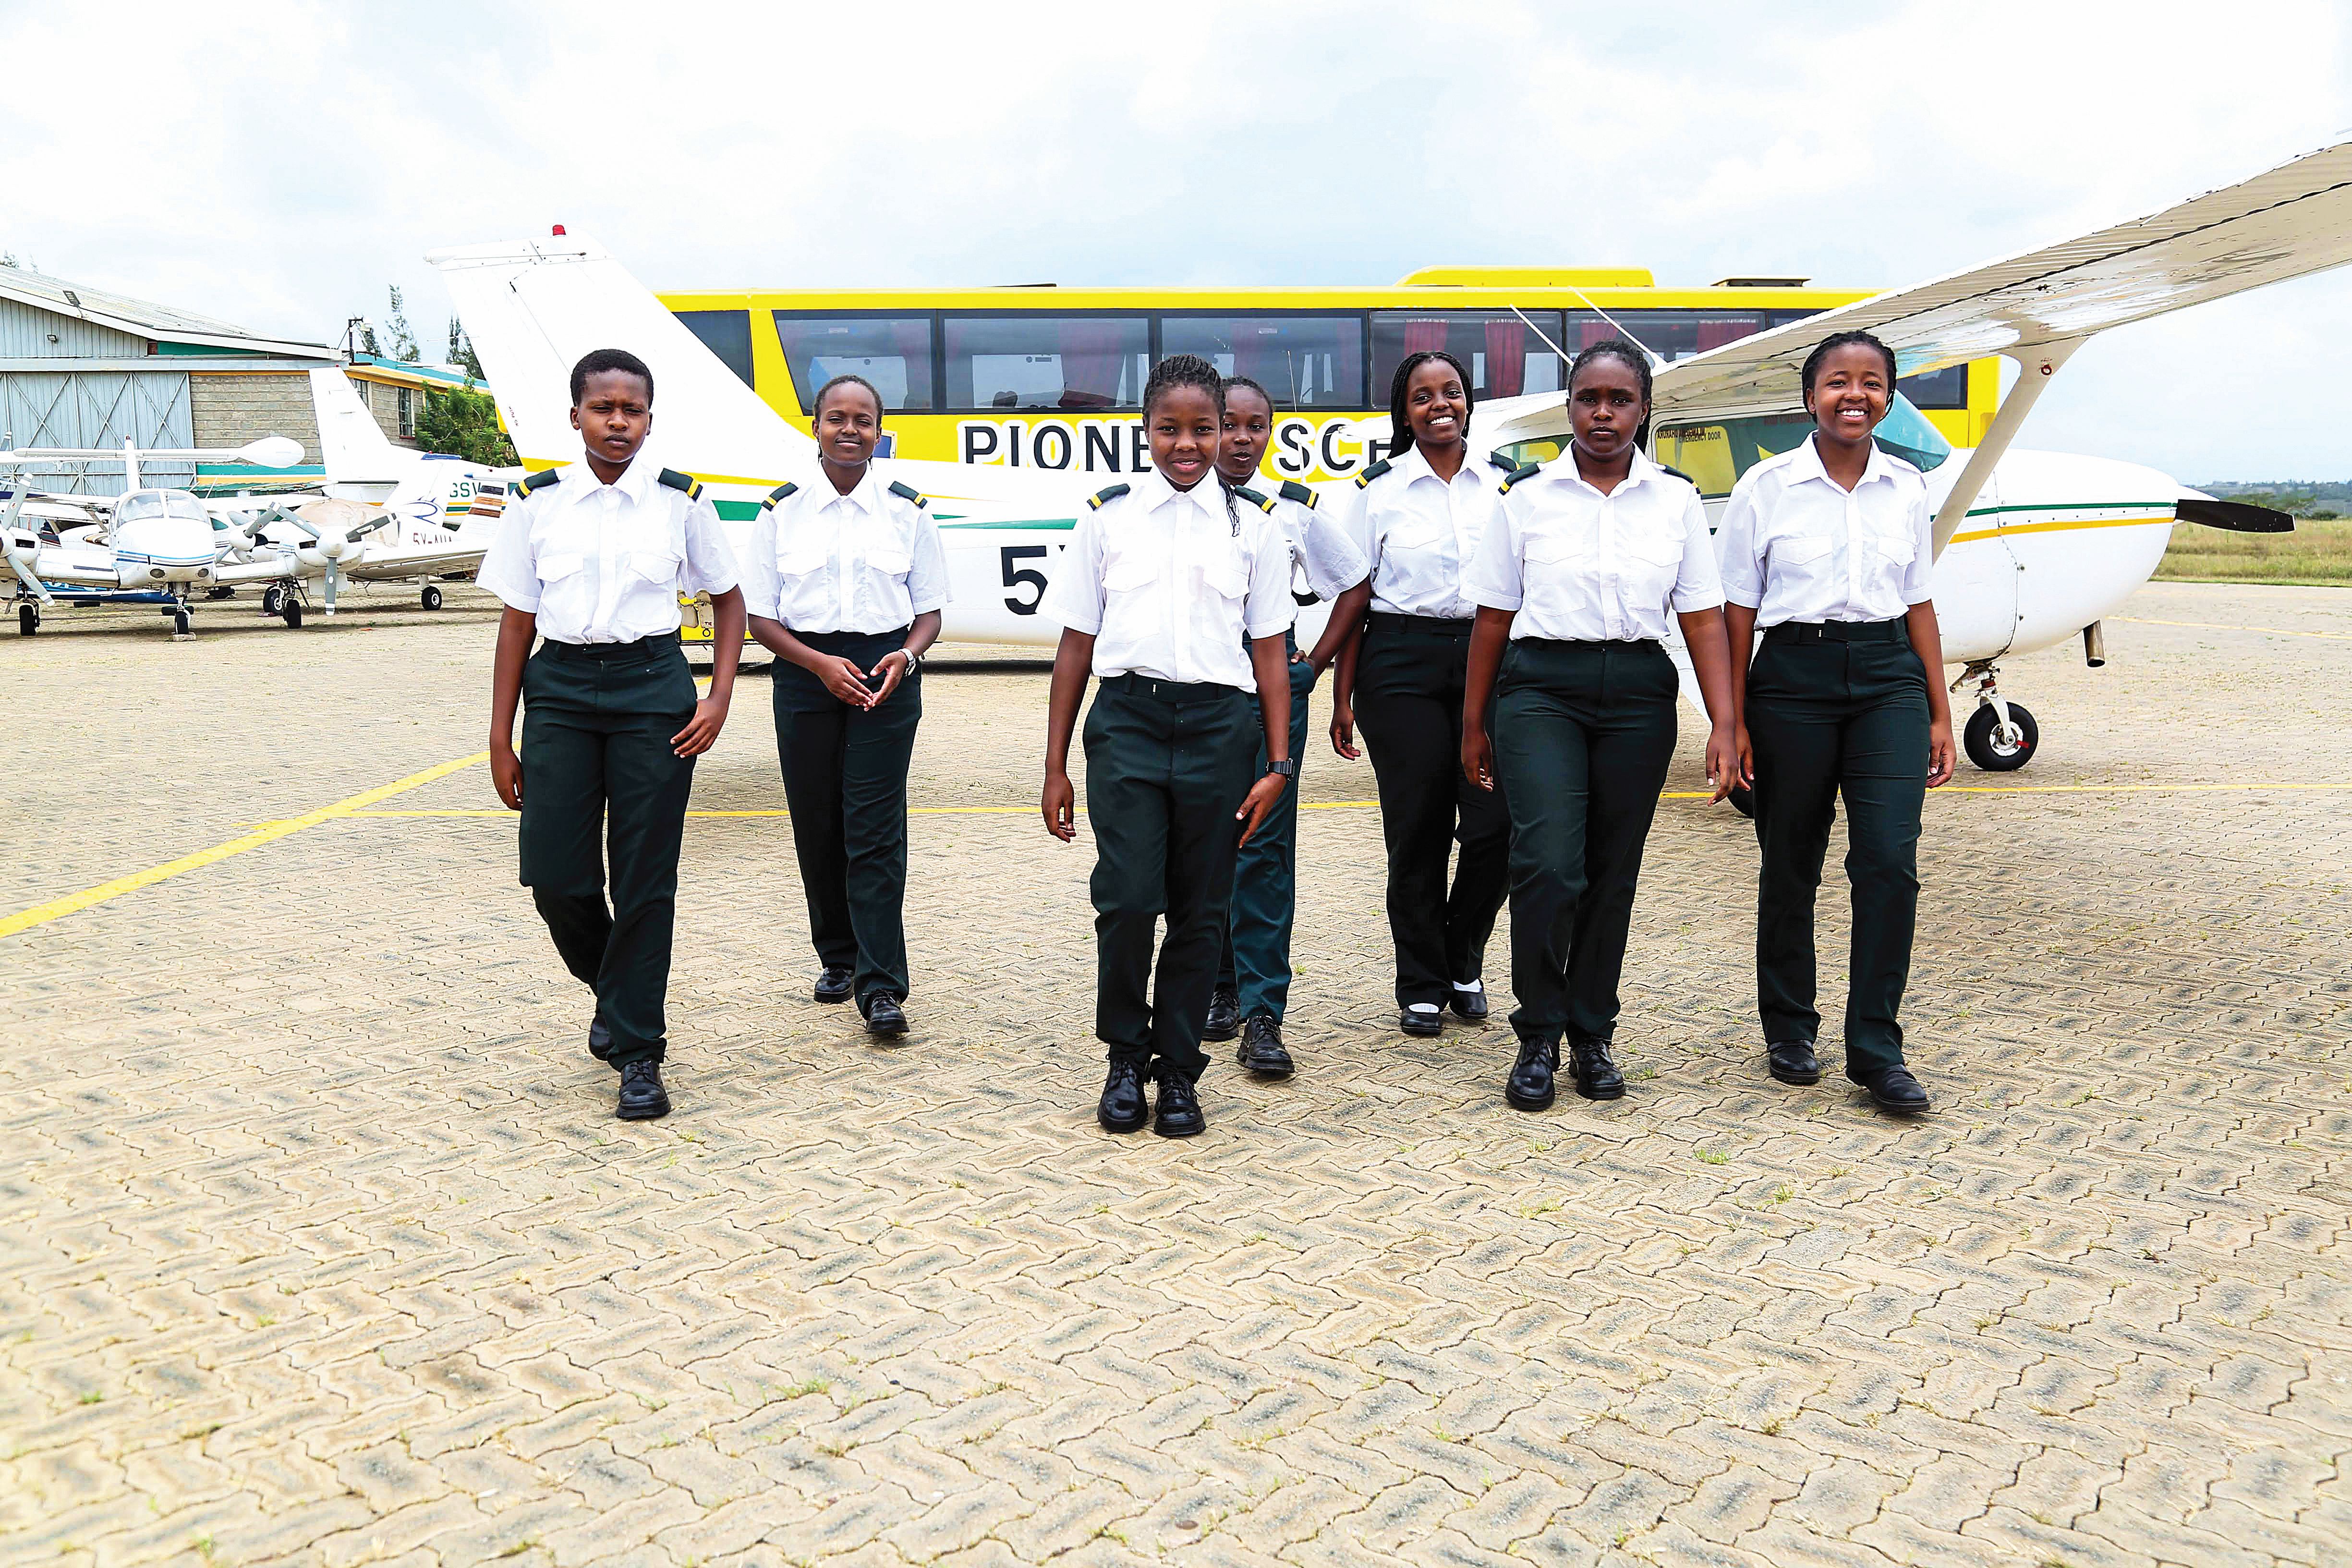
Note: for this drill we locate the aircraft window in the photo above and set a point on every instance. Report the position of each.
(179, 504)
(1504, 357)
(138, 506)
(1716, 454)
(1073, 363)
(894, 352)
(727, 334)
(1303, 362)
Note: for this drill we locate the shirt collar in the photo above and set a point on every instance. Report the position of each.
(1151, 491)
(1807, 465)
(635, 484)
(861, 495)
(1642, 472)
(1413, 466)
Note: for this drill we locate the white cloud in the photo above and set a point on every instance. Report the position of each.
(277, 164)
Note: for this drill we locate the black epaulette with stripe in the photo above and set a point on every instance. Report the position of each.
(1109, 492)
(540, 480)
(1374, 472)
(1524, 471)
(678, 481)
(906, 491)
(1303, 494)
(787, 489)
(1262, 503)
(1502, 460)
(1670, 469)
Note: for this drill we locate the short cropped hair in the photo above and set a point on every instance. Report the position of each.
(596, 361)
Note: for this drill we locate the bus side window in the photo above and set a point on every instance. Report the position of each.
(894, 352)
(1023, 360)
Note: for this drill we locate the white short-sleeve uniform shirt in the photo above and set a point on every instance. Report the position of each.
(1322, 555)
(1580, 566)
(819, 561)
(598, 562)
(1417, 531)
(1796, 547)
(1170, 582)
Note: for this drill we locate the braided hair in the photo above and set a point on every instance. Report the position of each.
(1182, 370)
(1838, 341)
(1400, 427)
(847, 378)
(1619, 348)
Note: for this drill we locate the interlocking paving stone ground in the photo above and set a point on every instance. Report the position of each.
(318, 1245)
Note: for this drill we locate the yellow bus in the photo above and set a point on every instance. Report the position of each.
(1052, 377)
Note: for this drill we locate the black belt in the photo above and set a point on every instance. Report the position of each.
(1837, 631)
(1420, 626)
(643, 647)
(1170, 690)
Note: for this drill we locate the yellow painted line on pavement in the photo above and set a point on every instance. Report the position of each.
(2224, 627)
(263, 833)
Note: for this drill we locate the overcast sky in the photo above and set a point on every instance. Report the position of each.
(278, 166)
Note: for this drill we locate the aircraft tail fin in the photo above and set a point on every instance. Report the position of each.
(352, 446)
(533, 306)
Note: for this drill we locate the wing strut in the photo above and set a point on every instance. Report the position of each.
(2037, 367)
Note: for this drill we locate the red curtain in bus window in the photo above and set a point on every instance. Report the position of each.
(1421, 336)
(1714, 334)
(1091, 364)
(1507, 358)
(1258, 355)
(1593, 331)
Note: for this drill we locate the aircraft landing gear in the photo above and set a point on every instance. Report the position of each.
(273, 599)
(292, 608)
(28, 619)
(2001, 735)
(183, 624)
(431, 596)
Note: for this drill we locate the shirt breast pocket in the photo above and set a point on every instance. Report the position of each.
(890, 562)
(1414, 531)
(1899, 548)
(656, 564)
(1800, 552)
(1129, 571)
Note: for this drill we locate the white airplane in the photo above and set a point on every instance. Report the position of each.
(152, 546)
(2032, 548)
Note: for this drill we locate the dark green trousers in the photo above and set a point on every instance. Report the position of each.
(1838, 710)
(1265, 875)
(1168, 764)
(599, 774)
(1408, 698)
(1584, 731)
(845, 781)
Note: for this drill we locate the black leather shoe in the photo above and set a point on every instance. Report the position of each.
(1792, 1061)
(1224, 1014)
(1894, 1089)
(1123, 1107)
(1529, 1086)
(1471, 1004)
(1180, 1109)
(833, 985)
(1596, 1077)
(1413, 1023)
(1262, 1051)
(642, 1095)
(600, 1040)
(884, 1020)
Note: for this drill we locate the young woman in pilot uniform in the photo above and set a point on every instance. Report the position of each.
(1175, 596)
(1588, 556)
(1828, 548)
(1418, 516)
(1253, 981)
(592, 559)
(844, 581)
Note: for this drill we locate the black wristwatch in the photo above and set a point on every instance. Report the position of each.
(1285, 768)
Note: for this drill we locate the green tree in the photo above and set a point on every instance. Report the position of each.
(464, 423)
(396, 332)
(461, 351)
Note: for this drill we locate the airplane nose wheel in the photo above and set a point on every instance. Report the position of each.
(183, 624)
(432, 596)
(28, 619)
(273, 600)
(2000, 748)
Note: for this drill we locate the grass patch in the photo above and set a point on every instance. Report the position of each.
(2319, 554)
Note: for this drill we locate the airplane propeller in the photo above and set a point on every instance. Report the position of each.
(334, 548)
(2235, 516)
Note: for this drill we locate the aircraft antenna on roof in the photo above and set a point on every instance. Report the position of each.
(1657, 361)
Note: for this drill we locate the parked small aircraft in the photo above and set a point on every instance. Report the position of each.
(2033, 547)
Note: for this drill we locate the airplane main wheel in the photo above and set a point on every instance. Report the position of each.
(273, 600)
(182, 624)
(432, 596)
(28, 620)
(293, 611)
(1996, 752)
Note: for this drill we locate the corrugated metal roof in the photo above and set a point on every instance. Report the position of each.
(142, 317)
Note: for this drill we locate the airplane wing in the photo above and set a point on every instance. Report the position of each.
(434, 562)
(2037, 307)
